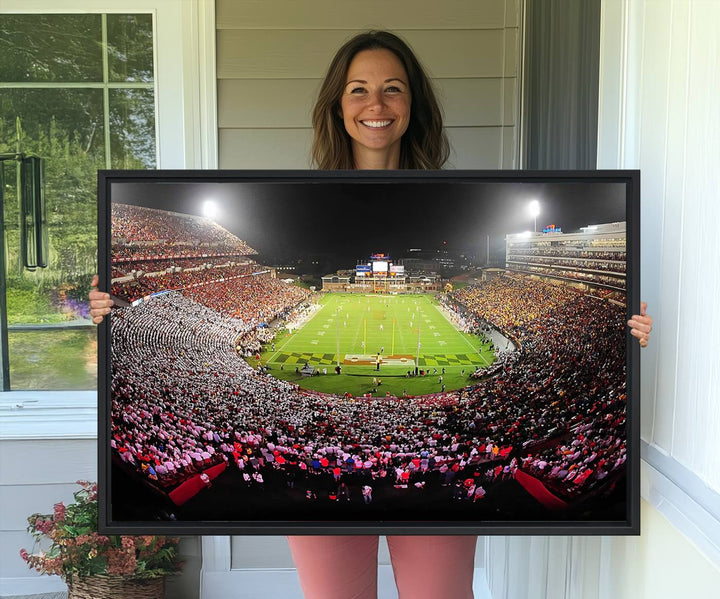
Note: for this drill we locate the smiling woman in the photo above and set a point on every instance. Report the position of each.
(382, 127)
(363, 108)
(375, 108)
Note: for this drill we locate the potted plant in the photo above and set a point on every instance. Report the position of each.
(96, 566)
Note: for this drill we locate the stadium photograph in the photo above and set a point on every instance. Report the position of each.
(367, 353)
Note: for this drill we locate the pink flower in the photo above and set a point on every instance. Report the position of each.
(59, 512)
(53, 565)
(128, 543)
(72, 554)
(43, 526)
(121, 562)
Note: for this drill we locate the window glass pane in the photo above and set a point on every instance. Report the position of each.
(132, 128)
(130, 47)
(52, 343)
(38, 48)
(51, 118)
(65, 127)
(53, 359)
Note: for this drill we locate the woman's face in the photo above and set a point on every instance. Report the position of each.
(375, 106)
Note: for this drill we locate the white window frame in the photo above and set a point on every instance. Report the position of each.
(186, 131)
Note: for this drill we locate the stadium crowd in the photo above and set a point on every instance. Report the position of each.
(606, 265)
(183, 398)
(584, 277)
(254, 299)
(148, 284)
(569, 374)
(520, 250)
(146, 233)
(155, 266)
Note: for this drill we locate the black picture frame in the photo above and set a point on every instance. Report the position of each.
(349, 191)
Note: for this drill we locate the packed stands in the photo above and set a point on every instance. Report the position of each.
(183, 399)
(147, 234)
(185, 402)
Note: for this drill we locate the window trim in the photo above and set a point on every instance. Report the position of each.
(186, 133)
(36, 415)
(185, 32)
(683, 498)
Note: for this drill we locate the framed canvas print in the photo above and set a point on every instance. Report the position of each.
(391, 352)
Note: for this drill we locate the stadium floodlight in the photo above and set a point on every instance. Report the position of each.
(210, 209)
(534, 210)
(525, 234)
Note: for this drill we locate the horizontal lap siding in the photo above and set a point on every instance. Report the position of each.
(34, 475)
(471, 147)
(354, 14)
(271, 58)
(264, 148)
(304, 54)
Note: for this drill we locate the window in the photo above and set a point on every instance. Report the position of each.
(78, 91)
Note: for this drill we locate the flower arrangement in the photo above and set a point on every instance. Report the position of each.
(77, 550)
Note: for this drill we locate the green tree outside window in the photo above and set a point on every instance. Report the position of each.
(81, 88)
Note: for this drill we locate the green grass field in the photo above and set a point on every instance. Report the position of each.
(364, 326)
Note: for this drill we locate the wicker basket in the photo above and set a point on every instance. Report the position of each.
(116, 587)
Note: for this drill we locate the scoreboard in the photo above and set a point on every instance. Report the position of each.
(380, 265)
(380, 268)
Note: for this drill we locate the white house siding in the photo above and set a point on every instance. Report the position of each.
(271, 58)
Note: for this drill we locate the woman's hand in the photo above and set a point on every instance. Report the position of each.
(100, 302)
(641, 325)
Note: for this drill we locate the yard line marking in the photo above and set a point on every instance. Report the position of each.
(279, 347)
(464, 338)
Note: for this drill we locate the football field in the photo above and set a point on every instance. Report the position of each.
(360, 331)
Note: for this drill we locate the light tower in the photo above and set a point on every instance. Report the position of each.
(534, 210)
(210, 210)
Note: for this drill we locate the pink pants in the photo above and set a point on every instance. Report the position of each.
(346, 567)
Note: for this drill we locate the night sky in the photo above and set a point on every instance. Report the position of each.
(355, 218)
